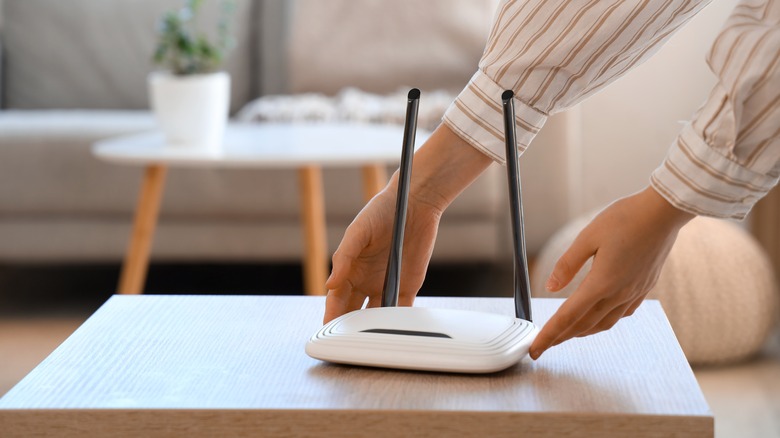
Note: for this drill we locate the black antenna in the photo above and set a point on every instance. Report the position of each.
(393, 274)
(522, 288)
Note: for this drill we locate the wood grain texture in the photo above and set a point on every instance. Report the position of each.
(136, 264)
(316, 258)
(201, 365)
(340, 423)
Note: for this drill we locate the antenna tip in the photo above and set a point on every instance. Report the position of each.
(507, 95)
(414, 93)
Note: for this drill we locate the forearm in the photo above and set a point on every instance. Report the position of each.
(728, 156)
(443, 167)
(553, 54)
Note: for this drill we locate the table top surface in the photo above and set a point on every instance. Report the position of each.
(268, 145)
(247, 352)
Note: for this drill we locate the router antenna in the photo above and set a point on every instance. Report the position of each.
(522, 288)
(393, 274)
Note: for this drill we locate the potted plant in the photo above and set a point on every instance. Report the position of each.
(191, 95)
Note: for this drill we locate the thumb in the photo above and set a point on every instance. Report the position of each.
(350, 247)
(570, 262)
(342, 262)
(339, 271)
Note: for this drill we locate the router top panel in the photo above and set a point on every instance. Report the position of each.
(424, 339)
(423, 322)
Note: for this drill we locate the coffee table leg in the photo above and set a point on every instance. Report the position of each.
(374, 180)
(137, 258)
(315, 263)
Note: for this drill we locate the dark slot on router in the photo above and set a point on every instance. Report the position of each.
(407, 333)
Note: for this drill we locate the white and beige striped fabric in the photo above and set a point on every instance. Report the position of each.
(555, 53)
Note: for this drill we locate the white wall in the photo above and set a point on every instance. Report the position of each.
(627, 128)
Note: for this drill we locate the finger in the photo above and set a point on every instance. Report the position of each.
(342, 264)
(570, 262)
(635, 305)
(351, 245)
(337, 302)
(356, 301)
(612, 318)
(408, 292)
(589, 320)
(604, 314)
(574, 308)
(406, 299)
(607, 322)
(374, 301)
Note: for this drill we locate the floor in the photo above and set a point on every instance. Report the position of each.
(41, 306)
(745, 398)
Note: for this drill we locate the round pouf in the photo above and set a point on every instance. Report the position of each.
(717, 288)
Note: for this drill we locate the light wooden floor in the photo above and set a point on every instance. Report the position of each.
(745, 398)
(25, 342)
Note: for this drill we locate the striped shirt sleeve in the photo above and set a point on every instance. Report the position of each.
(728, 156)
(553, 54)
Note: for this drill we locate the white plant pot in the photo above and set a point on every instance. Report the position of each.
(193, 109)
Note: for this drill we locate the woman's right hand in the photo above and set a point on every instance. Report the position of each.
(360, 262)
(443, 167)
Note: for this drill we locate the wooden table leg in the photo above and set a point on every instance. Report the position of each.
(315, 263)
(374, 180)
(137, 258)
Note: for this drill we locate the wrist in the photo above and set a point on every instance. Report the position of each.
(663, 210)
(419, 197)
(443, 167)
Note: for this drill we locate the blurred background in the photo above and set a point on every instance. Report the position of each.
(75, 72)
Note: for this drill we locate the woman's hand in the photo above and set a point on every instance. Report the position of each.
(443, 167)
(360, 262)
(629, 242)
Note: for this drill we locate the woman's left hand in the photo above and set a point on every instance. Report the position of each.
(629, 242)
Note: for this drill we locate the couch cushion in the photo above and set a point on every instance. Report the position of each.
(59, 202)
(379, 45)
(97, 54)
(47, 169)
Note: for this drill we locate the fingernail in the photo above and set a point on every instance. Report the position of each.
(535, 354)
(552, 283)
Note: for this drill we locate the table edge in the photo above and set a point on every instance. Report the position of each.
(324, 422)
(215, 160)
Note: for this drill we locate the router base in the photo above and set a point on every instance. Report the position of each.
(419, 338)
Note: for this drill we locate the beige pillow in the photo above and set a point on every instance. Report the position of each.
(717, 288)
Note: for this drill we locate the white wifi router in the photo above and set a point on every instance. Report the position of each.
(419, 338)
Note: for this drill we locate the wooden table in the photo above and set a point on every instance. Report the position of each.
(235, 366)
(306, 147)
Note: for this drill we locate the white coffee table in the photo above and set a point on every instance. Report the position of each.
(306, 147)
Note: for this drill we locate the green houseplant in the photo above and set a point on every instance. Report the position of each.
(182, 50)
(190, 94)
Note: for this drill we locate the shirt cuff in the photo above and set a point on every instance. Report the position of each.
(698, 179)
(476, 116)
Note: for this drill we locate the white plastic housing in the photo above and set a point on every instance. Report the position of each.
(420, 338)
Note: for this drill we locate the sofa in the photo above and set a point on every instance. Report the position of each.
(75, 72)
